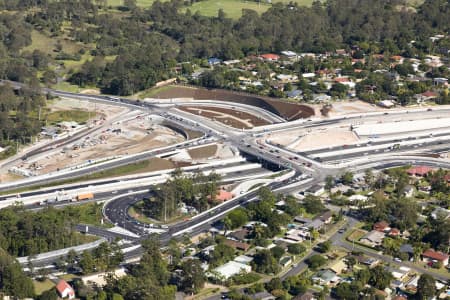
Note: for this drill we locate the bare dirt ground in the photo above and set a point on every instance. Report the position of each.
(135, 136)
(8, 177)
(230, 117)
(203, 152)
(288, 110)
(301, 140)
(348, 107)
(119, 132)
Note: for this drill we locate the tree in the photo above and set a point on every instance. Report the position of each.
(368, 177)
(296, 248)
(350, 262)
(316, 261)
(313, 204)
(264, 262)
(277, 252)
(324, 247)
(380, 278)
(87, 262)
(13, 281)
(48, 295)
(347, 178)
(193, 277)
(339, 90)
(426, 287)
(347, 291)
(222, 253)
(329, 182)
(274, 284)
(237, 218)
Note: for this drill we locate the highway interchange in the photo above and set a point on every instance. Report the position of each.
(307, 169)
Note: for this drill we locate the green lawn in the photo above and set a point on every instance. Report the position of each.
(66, 87)
(152, 92)
(90, 213)
(79, 116)
(233, 8)
(42, 286)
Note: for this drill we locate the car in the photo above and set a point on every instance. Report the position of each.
(430, 109)
(342, 230)
(397, 259)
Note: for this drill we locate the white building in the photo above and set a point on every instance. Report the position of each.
(232, 268)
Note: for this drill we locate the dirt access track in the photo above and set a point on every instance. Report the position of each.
(284, 109)
(230, 117)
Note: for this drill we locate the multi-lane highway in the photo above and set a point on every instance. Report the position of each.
(361, 156)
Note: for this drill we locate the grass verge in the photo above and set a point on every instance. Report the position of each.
(42, 286)
(79, 116)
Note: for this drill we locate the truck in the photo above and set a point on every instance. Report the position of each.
(63, 197)
(84, 196)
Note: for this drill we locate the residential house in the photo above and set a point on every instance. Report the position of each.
(263, 296)
(315, 190)
(440, 212)
(419, 171)
(400, 273)
(231, 62)
(316, 224)
(357, 198)
(367, 261)
(285, 261)
(222, 196)
(243, 259)
(386, 103)
(326, 217)
(373, 238)
(342, 52)
(294, 94)
(213, 61)
(408, 191)
(237, 245)
(431, 255)
(338, 267)
(326, 277)
(393, 232)
(239, 235)
(408, 249)
(290, 54)
(285, 78)
(64, 290)
(426, 96)
(381, 226)
(305, 296)
(231, 268)
(270, 57)
(440, 81)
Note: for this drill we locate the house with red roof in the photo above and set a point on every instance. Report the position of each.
(64, 290)
(270, 57)
(381, 226)
(222, 196)
(394, 232)
(426, 96)
(431, 255)
(419, 171)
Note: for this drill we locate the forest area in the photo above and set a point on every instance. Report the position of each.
(131, 51)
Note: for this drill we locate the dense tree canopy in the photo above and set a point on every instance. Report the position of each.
(146, 43)
(13, 282)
